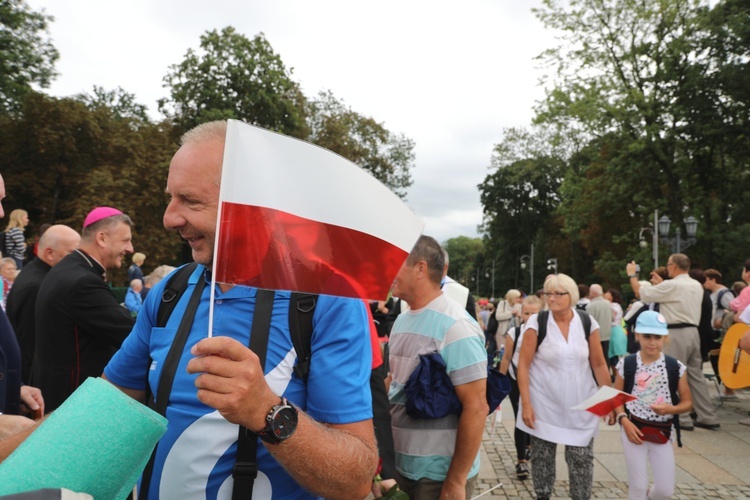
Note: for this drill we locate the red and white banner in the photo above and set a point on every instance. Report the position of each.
(604, 401)
(294, 216)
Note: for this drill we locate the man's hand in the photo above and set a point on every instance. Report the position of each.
(232, 381)
(11, 424)
(630, 268)
(453, 491)
(655, 278)
(380, 488)
(32, 398)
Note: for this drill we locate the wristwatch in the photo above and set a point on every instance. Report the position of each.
(634, 275)
(281, 422)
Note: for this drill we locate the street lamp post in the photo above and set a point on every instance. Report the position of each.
(676, 242)
(487, 275)
(529, 260)
(552, 265)
(654, 238)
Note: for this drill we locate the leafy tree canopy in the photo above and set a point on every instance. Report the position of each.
(27, 56)
(387, 156)
(648, 97)
(232, 76)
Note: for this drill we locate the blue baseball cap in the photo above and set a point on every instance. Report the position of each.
(651, 322)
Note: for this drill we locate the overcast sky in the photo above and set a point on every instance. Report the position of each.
(449, 75)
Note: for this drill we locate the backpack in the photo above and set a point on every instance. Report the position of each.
(542, 320)
(673, 375)
(301, 310)
(727, 320)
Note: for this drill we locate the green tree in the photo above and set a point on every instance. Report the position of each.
(519, 197)
(648, 90)
(62, 158)
(232, 76)
(387, 156)
(27, 56)
(120, 103)
(465, 253)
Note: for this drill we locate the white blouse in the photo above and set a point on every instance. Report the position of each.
(560, 377)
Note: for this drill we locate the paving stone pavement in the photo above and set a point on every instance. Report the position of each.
(711, 463)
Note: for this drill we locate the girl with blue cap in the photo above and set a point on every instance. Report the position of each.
(661, 388)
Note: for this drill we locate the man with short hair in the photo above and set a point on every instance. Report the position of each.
(601, 310)
(79, 323)
(680, 299)
(56, 242)
(436, 458)
(325, 447)
(721, 296)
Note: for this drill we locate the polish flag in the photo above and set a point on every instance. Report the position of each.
(604, 401)
(294, 216)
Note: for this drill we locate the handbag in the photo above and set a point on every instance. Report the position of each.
(653, 432)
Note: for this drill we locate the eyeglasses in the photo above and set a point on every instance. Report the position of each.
(558, 295)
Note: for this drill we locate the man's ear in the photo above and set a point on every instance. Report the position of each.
(101, 239)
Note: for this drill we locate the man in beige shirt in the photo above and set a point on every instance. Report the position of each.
(680, 301)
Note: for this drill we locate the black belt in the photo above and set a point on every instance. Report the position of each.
(681, 325)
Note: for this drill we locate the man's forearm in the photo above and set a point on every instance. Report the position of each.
(10, 443)
(335, 462)
(468, 441)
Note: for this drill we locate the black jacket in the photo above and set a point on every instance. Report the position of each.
(79, 326)
(20, 309)
(10, 368)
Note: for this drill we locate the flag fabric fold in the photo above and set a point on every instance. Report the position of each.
(604, 401)
(294, 216)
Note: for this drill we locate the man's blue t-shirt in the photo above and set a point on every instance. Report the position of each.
(195, 457)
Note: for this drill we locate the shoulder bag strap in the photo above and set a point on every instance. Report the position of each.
(246, 464)
(301, 311)
(541, 332)
(164, 388)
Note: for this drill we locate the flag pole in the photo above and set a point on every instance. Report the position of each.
(217, 235)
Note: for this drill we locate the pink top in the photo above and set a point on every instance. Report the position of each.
(740, 302)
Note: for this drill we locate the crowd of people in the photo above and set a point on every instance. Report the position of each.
(307, 397)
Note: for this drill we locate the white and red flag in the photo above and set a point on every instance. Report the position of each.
(604, 401)
(294, 216)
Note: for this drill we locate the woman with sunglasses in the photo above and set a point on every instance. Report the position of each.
(554, 375)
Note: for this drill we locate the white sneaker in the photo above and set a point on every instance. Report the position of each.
(744, 421)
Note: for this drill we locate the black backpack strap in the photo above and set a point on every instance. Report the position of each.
(586, 320)
(542, 327)
(301, 311)
(169, 368)
(172, 292)
(246, 464)
(673, 376)
(629, 366)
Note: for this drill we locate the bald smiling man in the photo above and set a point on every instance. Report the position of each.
(56, 242)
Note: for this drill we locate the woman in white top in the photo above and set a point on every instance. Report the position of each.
(553, 376)
(513, 339)
(505, 312)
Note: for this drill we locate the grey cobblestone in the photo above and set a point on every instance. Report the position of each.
(501, 452)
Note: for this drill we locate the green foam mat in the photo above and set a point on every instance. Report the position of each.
(97, 442)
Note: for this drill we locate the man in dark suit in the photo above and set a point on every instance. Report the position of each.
(56, 242)
(79, 323)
